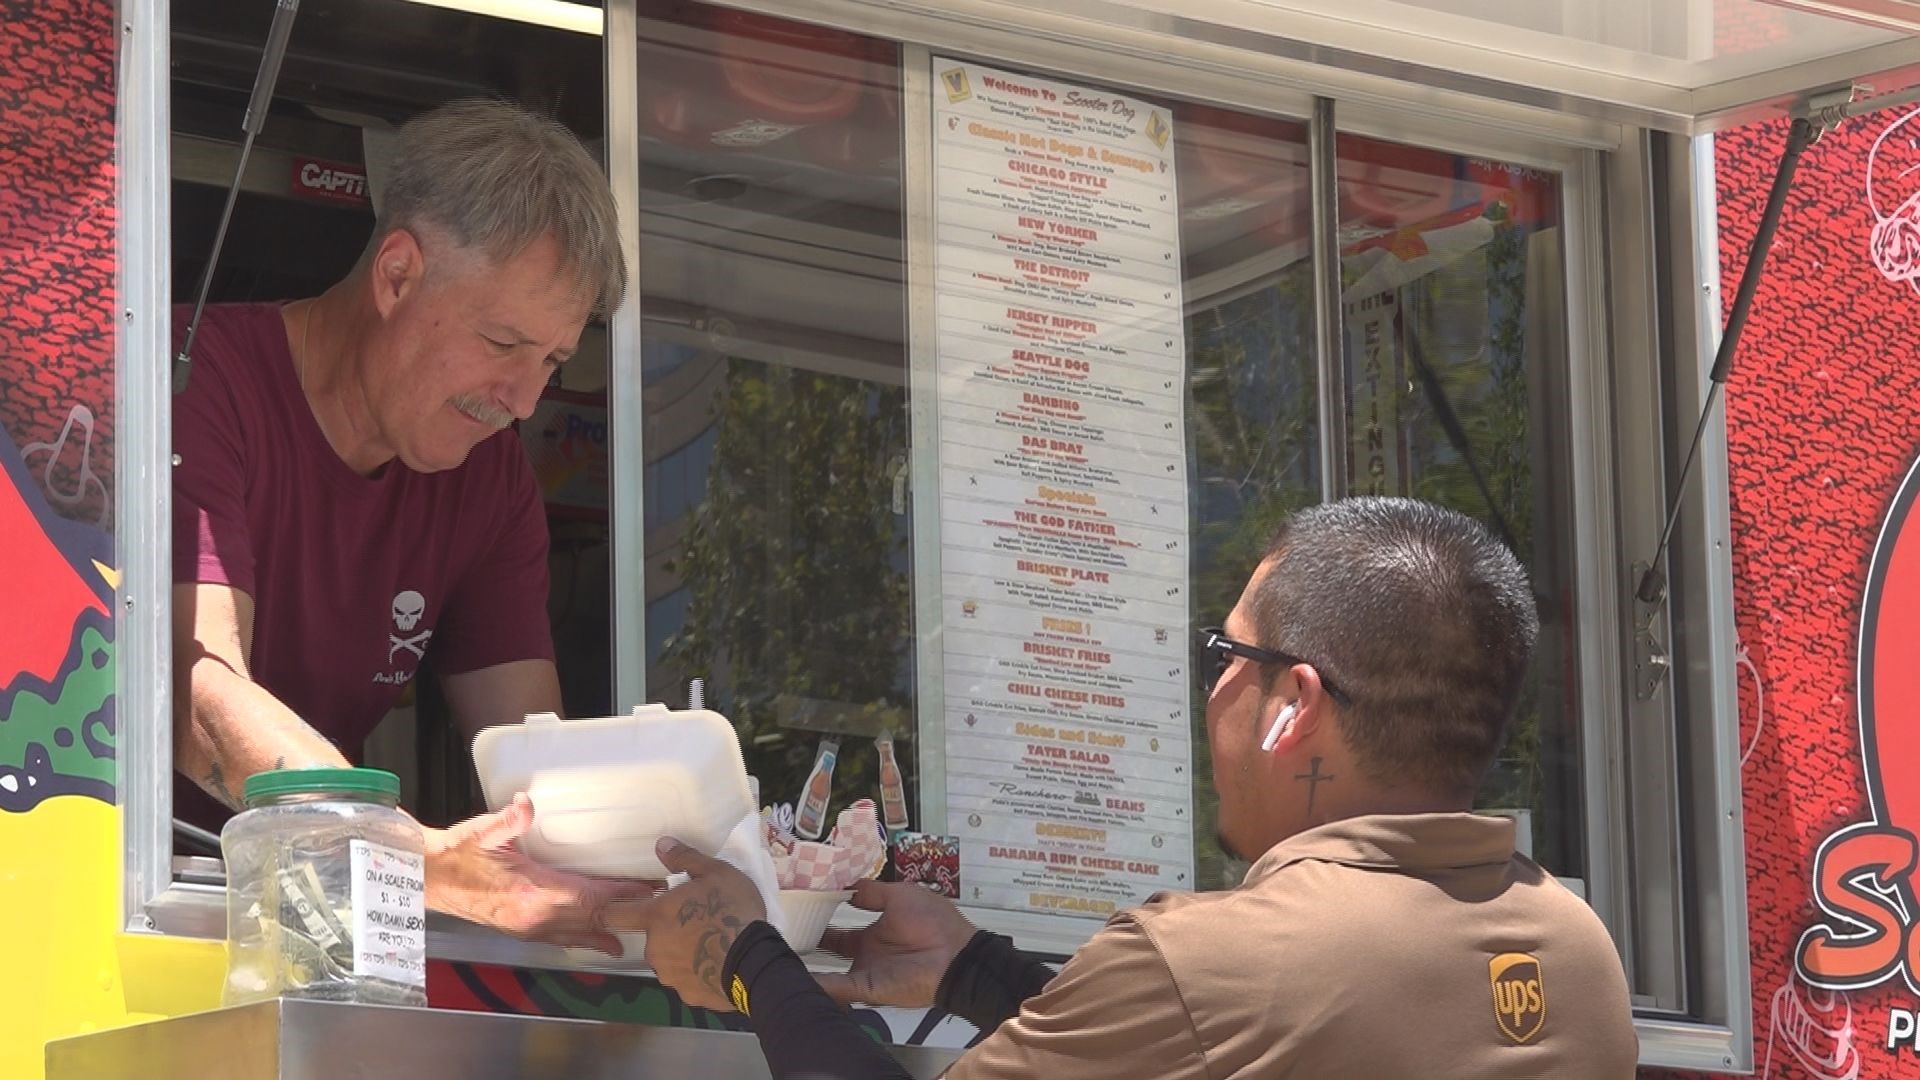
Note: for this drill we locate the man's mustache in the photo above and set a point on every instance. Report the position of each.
(482, 410)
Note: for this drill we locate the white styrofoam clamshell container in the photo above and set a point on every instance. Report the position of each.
(605, 789)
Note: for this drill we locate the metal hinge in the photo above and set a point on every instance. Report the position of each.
(1651, 660)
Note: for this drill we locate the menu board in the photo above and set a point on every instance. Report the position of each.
(1061, 364)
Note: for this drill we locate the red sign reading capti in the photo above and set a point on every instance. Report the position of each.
(330, 181)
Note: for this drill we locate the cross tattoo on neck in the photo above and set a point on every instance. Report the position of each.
(1313, 777)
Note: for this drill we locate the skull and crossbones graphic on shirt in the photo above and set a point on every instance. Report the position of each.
(408, 607)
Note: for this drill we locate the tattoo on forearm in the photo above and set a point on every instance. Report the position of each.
(280, 762)
(216, 785)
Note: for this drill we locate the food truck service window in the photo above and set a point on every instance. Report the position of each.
(967, 367)
(968, 390)
(302, 213)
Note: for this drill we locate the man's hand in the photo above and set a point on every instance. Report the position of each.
(476, 870)
(901, 958)
(691, 927)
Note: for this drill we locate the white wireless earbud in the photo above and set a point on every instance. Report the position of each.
(1280, 722)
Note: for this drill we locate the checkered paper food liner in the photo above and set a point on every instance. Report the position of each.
(854, 850)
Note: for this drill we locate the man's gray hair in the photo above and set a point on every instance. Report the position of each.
(495, 178)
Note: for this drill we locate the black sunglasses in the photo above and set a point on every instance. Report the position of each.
(1221, 649)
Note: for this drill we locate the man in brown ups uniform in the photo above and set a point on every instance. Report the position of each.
(1356, 696)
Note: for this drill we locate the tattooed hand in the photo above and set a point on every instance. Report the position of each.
(690, 927)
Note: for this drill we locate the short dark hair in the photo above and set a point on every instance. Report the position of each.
(1420, 615)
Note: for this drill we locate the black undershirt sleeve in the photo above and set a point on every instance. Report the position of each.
(804, 1034)
(988, 980)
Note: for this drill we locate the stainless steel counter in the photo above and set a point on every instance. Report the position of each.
(311, 1040)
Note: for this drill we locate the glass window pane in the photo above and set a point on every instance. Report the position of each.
(776, 375)
(1455, 364)
(771, 256)
(772, 253)
(1253, 407)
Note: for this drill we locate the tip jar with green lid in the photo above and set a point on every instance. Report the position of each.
(326, 890)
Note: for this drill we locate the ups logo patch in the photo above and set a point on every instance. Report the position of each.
(1519, 995)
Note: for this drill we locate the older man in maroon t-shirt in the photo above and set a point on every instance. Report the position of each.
(347, 500)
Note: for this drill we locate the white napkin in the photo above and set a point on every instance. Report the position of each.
(746, 850)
